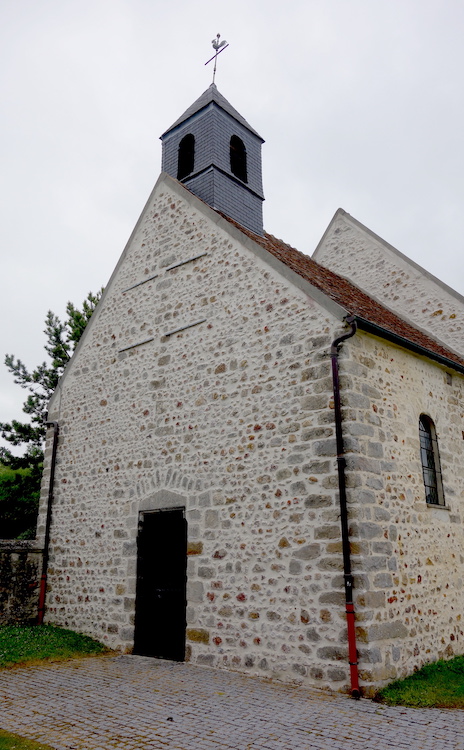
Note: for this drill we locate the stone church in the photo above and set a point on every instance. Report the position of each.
(255, 458)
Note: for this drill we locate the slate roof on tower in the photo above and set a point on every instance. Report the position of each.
(214, 152)
(212, 95)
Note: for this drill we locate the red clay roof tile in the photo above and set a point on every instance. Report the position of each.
(354, 300)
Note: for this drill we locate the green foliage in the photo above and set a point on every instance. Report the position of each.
(61, 340)
(78, 319)
(19, 500)
(19, 492)
(437, 685)
(10, 741)
(21, 644)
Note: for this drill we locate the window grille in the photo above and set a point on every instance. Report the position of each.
(430, 459)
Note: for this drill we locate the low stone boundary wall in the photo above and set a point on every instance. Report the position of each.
(20, 570)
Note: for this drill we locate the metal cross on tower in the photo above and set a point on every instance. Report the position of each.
(219, 47)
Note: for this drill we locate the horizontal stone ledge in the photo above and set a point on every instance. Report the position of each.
(133, 346)
(139, 283)
(183, 328)
(184, 262)
(20, 545)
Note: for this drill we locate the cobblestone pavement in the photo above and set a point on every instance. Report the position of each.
(135, 703)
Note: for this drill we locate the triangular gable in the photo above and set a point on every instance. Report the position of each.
(357, 253)
(247, 240)
(334, 293)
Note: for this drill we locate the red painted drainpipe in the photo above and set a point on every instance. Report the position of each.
(341, 463)
(48, 521)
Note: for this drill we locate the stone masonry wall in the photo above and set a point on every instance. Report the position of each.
(409, 555)
(20, 571)
(236, 415)
(386, 274)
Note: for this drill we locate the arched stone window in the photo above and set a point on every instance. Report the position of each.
(238, 158)
(430, 459)
(186, 156)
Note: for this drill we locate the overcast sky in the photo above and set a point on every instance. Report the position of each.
(360, 103)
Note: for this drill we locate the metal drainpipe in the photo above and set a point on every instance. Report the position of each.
(341, 463)
(43, 578)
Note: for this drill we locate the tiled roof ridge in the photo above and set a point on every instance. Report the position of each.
(348, 295)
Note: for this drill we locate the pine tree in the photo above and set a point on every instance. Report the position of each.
(61, 340)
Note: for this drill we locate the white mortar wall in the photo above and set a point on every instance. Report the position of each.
(410, 554)
(236, 416)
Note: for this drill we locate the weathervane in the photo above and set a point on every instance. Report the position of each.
(219, 47)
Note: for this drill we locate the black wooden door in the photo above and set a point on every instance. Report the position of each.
(161, 585)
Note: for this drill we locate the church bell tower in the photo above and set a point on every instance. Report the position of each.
(214, 152)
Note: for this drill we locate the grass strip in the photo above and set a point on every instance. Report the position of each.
(19, 645)
(10, 741)
(437, 685)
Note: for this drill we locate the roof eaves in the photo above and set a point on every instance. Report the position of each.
(369, 327)
(339, 296)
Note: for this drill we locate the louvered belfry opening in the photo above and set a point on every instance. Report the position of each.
(186, 157)
(216, 154)
(238, 158)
